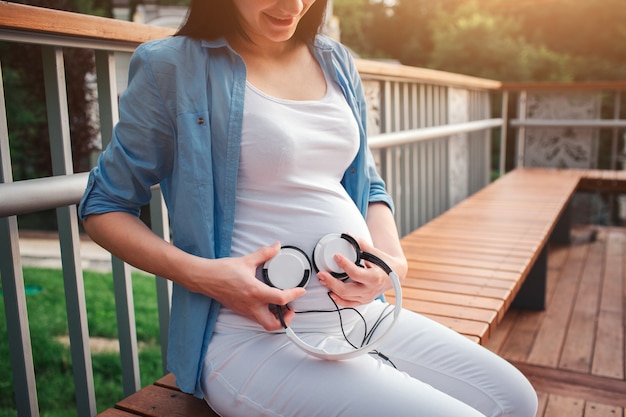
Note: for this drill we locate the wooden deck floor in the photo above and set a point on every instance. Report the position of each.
(574, 351)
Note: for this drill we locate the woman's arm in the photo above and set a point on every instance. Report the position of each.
(128, 238)
(230, 281)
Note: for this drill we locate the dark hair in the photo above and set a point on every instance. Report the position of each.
(211, 19)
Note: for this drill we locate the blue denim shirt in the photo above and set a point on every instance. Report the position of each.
(180, 127)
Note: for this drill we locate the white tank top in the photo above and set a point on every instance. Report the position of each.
(293, 157)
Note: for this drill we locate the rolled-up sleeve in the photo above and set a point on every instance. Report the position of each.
(141, 151)
(377, 191)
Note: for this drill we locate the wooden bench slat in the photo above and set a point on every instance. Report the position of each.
(503, 263)
(452, 299)
(114, 412)
(414, 247)
(522, 241)
(458, 287)
(471, 227)
(440, 276)
(156, 401)
(470, 328)
(448, 310)
(464, 252)
(167, 381)
(603, 180)
(416, 267)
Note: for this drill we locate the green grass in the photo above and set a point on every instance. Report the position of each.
(53, 364)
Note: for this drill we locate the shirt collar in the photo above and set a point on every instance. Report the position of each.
(320, 42)
(215, 43)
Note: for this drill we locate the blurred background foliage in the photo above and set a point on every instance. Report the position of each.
(506, 40)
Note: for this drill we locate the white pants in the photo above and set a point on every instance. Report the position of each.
(439, 373)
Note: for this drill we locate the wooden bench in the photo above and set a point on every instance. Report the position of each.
(466, 267)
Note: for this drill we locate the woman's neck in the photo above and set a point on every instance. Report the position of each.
(262, 48)
(282, 69)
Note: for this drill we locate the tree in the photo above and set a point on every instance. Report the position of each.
(27, 119)
(379, 29)
(591, 32)
(510, 40)
(354, 16)
(475, 41)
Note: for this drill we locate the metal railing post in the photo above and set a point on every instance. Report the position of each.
(67, 217)
(20, 348)
(521, 133)
(503, 131)
(617, 109)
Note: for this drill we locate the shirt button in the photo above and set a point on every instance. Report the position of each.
(200, 121)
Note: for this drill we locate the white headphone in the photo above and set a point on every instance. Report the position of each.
(291, 268)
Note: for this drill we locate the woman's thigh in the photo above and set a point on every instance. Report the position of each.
(270, 376)
(438, 374)
(463, 369)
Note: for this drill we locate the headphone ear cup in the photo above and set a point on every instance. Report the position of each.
(290, 268)
(330, 245)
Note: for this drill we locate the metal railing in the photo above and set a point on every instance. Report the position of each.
(55, 30)
(431, 133)
(595, 108)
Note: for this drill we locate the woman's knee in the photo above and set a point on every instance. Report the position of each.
(523, 401)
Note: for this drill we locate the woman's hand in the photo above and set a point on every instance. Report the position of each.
(365, 284)
(368, 283)
(236, 287)
(230, 281)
